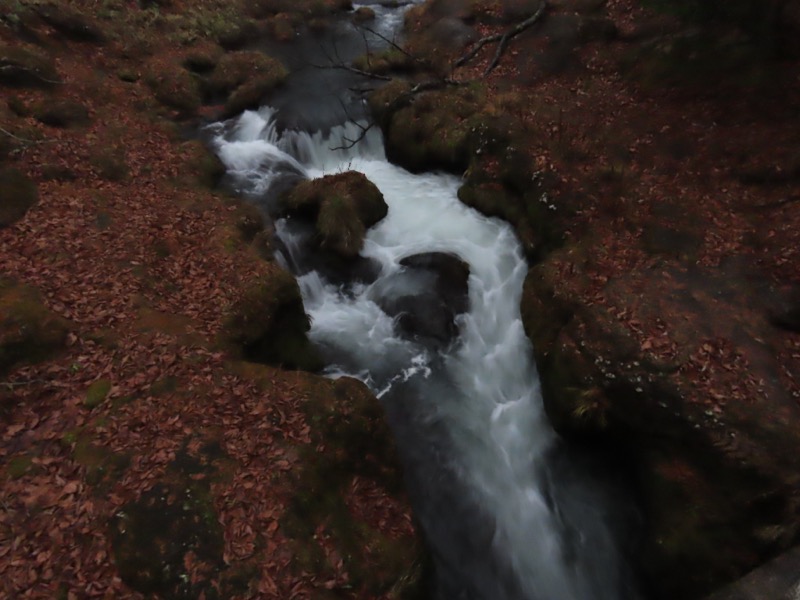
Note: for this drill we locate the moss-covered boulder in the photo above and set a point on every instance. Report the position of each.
(268, 324)
(29, 332)
(342, 207)
(62, 113)
(17, 195)
(71, 23)
(243, 79)
(174, 87)
(433, 131)
(348, 421)
(677, 369)
(24, 67)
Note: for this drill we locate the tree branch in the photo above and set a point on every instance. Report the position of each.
(502, 39)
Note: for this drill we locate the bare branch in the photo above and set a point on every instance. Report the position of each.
(17, 68)
(351, 69)
(502, 40)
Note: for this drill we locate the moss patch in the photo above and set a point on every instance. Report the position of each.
(97, 392)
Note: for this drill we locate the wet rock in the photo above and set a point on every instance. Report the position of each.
(426, 295)
(779, 579)
(268, 324)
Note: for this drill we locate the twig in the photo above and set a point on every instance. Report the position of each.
(345, 67)
(23, 140)
(13, 384)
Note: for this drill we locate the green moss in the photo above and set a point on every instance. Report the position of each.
(19, 466)
(110, 162)
(339, 227)
(102, 466)
(237, 68)
(245, 78)
(97, 392)
(17, 195)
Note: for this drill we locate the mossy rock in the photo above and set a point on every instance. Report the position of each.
(342, 207)
(347, 419)
(363, 14)
(203, 58)
(434, 131)
(26, 68)
(71, 23)
(17, 195)
(62, 113)
(29, 332)
(237, 68)
(244, 79)
(175, 88)
(268, 324)
(201, 164)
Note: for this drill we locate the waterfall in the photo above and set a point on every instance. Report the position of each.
(506, 513)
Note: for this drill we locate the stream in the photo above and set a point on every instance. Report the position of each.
(509, 512)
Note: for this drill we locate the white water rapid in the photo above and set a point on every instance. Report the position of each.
(506, 514)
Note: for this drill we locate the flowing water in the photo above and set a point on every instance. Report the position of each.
(508, 511)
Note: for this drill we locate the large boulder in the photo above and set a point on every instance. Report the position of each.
(341, 207)
(678, 368)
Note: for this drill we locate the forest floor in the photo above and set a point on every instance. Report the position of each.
(142, 260)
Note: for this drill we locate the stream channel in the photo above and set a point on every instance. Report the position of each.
(508, 510)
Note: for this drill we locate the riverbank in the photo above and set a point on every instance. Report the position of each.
(140, 454)
(651, 174)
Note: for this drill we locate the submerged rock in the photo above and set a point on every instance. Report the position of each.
(426, 295)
